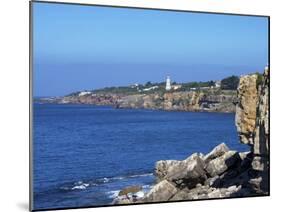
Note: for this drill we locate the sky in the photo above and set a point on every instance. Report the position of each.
(78, 47)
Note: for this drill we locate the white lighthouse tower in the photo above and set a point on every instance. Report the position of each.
(168, 83)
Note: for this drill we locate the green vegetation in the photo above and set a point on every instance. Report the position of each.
(117, 90)
(259, 79)
(230, 83)
(196, 85)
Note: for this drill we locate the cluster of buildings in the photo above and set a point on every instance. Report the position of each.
(169, 86)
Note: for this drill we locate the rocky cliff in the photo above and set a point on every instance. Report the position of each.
(89, 98)
(252, 121)
(222, 172)
(213, 101)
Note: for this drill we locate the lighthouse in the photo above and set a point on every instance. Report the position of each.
(168, 83)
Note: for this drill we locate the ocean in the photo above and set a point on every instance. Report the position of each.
(83, 155)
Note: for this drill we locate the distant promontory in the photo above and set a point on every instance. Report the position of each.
(209, 96)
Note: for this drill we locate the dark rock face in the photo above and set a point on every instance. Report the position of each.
(261, 135)
(223, 172)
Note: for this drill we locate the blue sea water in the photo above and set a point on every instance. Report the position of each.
(83, 154)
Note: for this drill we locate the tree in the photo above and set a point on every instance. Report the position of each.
(211, 83)
(230, 83)
(148, 84)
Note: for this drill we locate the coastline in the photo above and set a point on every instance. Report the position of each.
(193, 101)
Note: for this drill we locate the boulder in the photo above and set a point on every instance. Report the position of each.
(183, 194)
(122, 201)
(216, 152)
(188, 172)
(213, 181)
(200, 192)
(215, 194)
(161, 192)
(162, 166)
(222, 163)
(233, 188)
(246, 158)
(130, 189)
(244, 155)
(227, 179)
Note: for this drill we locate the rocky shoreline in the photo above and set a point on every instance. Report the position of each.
(210, 100)
(222, 173)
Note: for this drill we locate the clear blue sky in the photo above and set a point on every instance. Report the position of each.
(87, 47)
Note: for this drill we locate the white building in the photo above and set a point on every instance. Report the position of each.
(168, 83)
(218, 84)
(134, 85)
(151, 88)
(176, 87)
(83, 93)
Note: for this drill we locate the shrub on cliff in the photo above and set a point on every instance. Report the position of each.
(230, 83)
(259, 79)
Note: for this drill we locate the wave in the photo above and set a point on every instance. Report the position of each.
(113, 194)
(112, 179)
(130, 176)
(141, 175)
(139, 194)
(82, 185)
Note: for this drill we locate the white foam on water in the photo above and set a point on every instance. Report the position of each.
(113, 194)
(139, 194)
(146, 186)
(141, 175)
(80, 187)
(118, 178)
(108, 179)
(105, 179)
